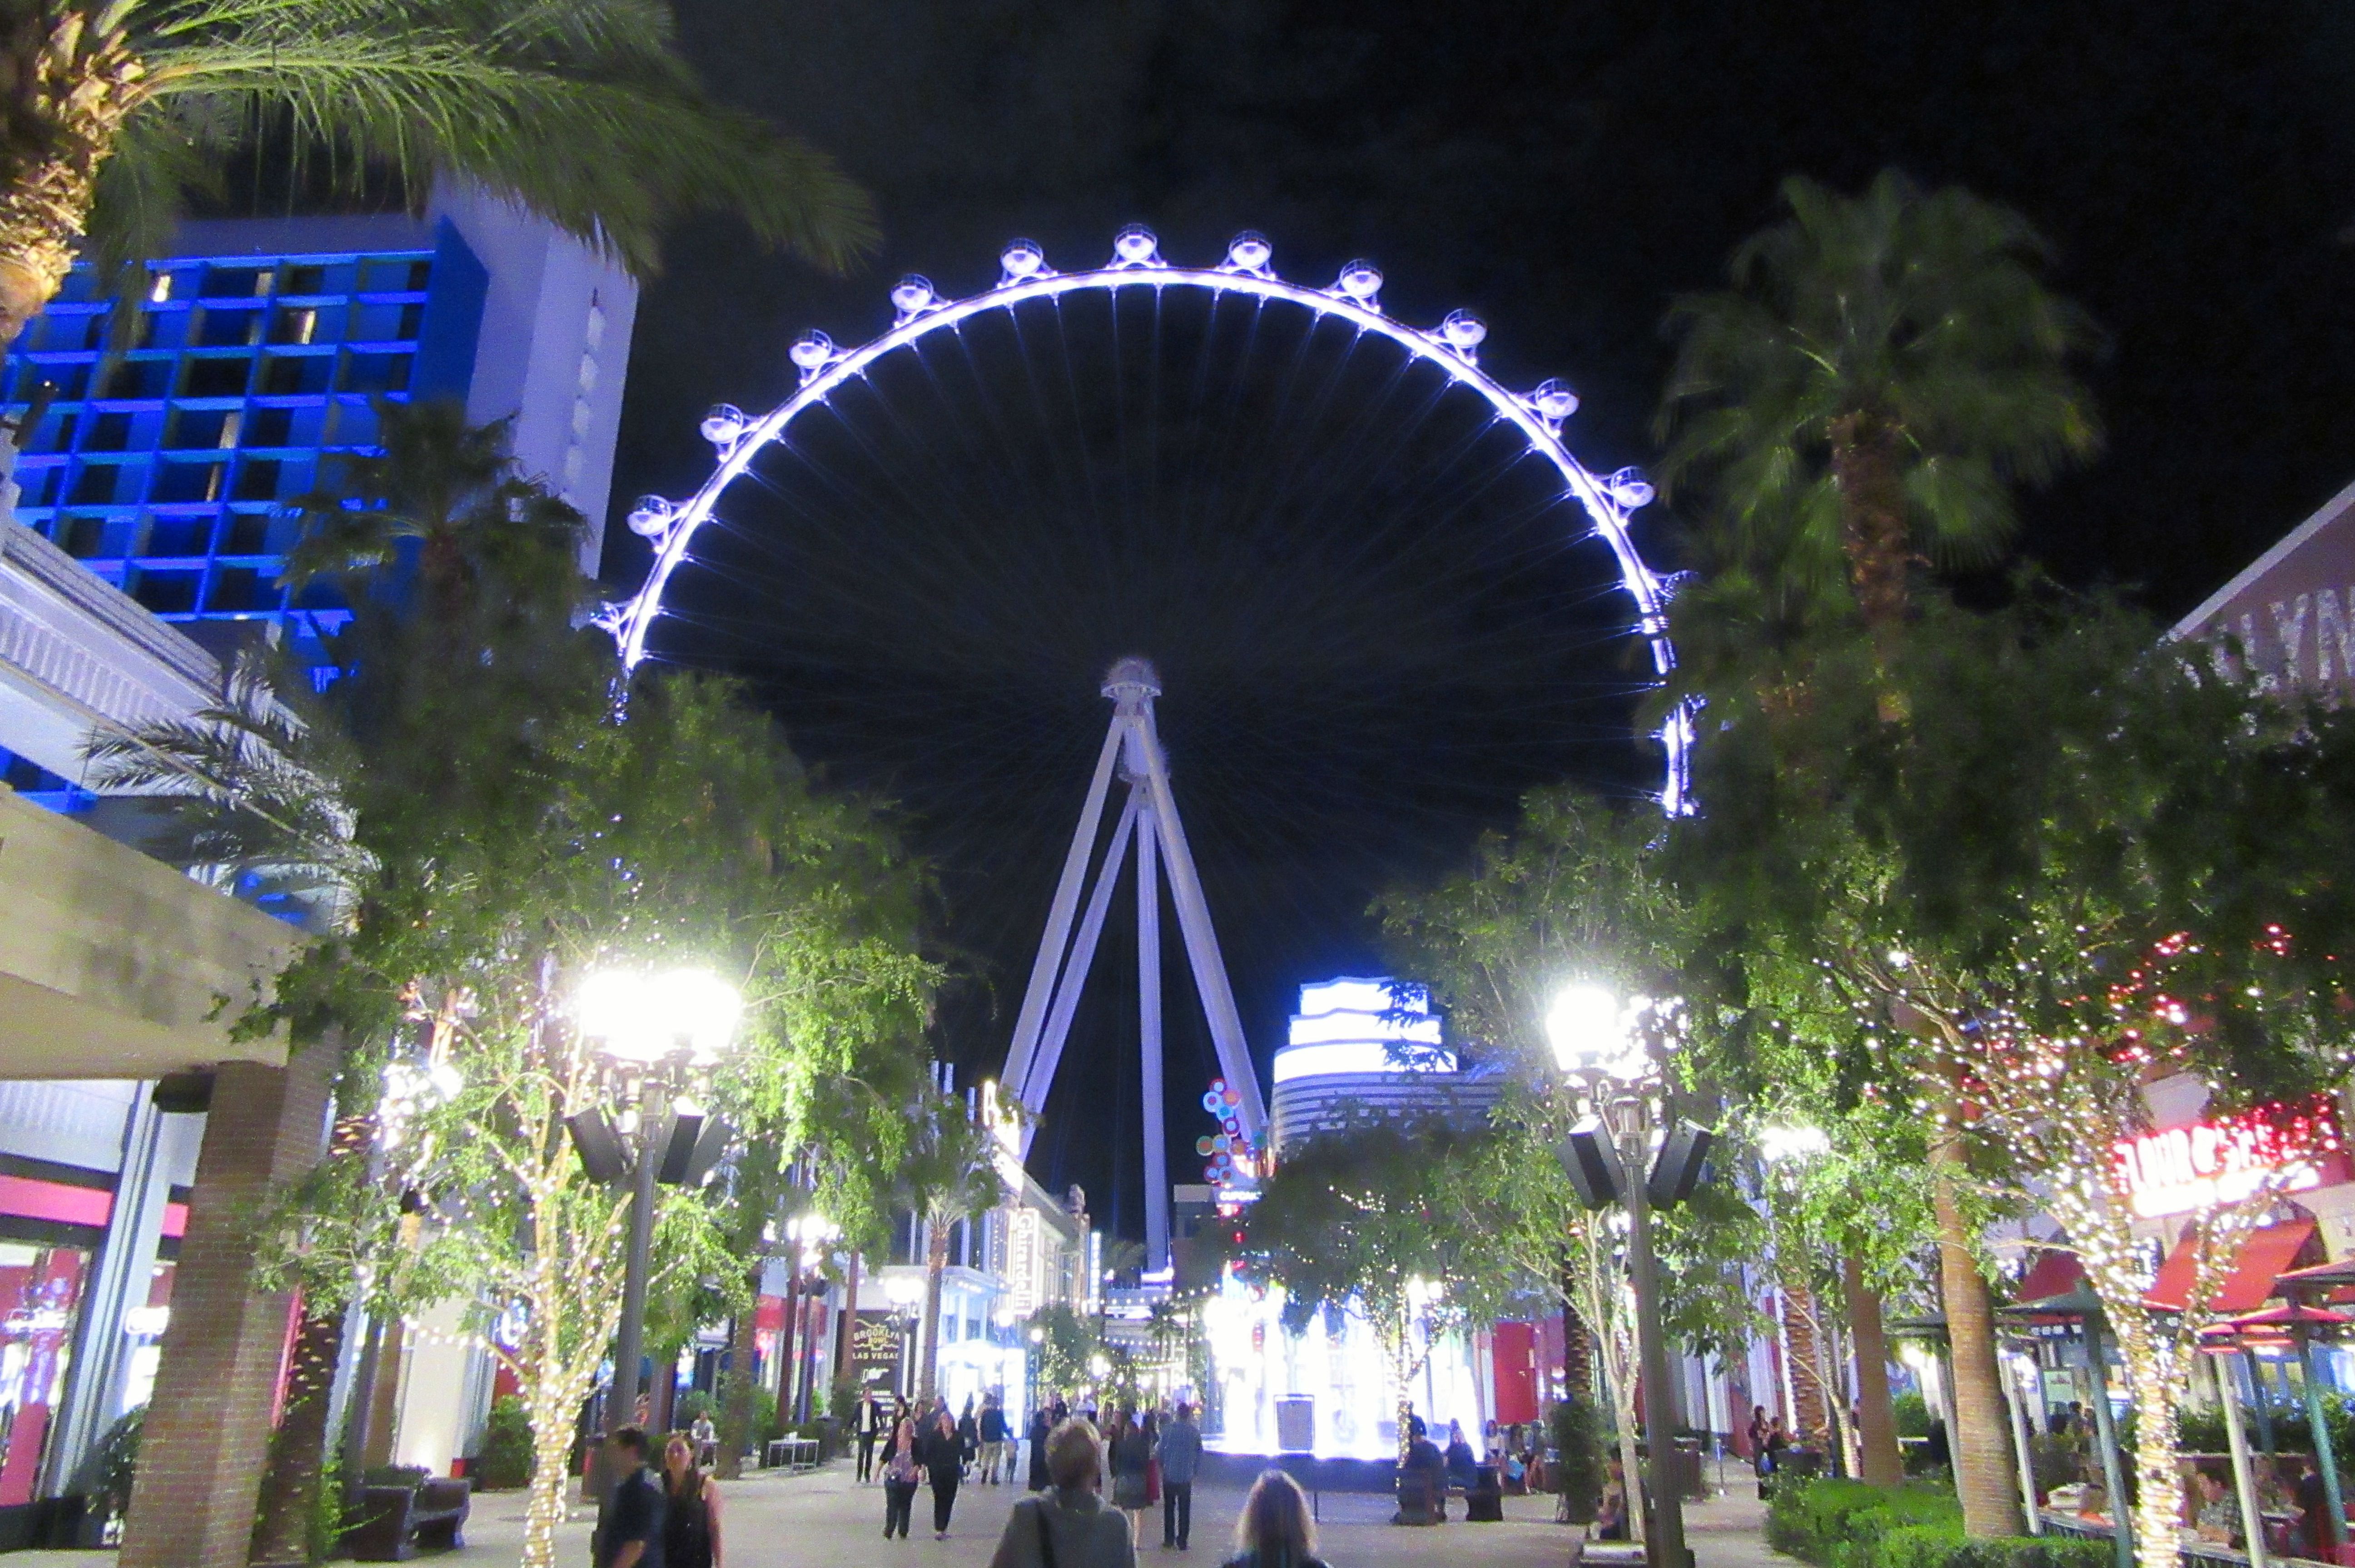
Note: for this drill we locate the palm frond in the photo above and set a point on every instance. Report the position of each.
(577, 109)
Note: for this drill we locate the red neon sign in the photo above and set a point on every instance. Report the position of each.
(2211, 1164)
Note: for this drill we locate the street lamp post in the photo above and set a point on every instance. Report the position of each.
(1598, 1043)
(659, 1033)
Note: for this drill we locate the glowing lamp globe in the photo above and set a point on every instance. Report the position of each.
(1589, 1033)
(637, 1017)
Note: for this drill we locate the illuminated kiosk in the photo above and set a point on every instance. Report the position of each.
(1358, 1048)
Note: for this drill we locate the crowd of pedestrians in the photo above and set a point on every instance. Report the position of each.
(667, 1513)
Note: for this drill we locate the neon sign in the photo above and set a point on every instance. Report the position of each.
(2211, 1164)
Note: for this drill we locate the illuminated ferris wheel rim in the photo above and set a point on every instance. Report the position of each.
(1355, 296)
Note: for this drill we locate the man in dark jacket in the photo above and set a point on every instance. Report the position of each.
(1181, 1456)
(632, 1533)
(993, 1434)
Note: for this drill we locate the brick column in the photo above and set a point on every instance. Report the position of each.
(207, 1430)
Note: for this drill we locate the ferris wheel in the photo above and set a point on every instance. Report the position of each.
(1606, 501)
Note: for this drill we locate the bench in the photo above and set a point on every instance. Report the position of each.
(397, 1522)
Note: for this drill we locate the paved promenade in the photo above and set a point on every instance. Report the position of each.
(824, 1519)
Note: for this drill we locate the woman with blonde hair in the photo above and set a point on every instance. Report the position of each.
(1274, 1530)
(1067, 1526)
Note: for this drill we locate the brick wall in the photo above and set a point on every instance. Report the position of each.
(207, 1430)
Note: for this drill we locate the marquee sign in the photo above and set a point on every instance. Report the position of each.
(2213, 1163)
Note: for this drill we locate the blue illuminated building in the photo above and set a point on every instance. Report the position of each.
(166, 461)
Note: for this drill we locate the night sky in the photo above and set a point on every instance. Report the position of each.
(1375, 630)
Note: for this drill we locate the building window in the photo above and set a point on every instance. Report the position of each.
(143, 380)
(108, 433)
(94, 486)
(295, 323)
(228, 329)
(236, 283)
(199, 429)
(216, 378)
(82, 537)
(179, 536)
(269, 427)
(293, 375)
(167, 593)
(248, 534)
(179, 483)
(242, 588)
(257, 480)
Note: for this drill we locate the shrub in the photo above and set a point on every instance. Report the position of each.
(113, 1462)
(1912, 1414)
(1847, 1524)
(505, 1461)
(693, 1403)
(1577, 1431)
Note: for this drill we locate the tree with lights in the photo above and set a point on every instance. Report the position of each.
(1882, 372)
(2144, 889)
(510, 831)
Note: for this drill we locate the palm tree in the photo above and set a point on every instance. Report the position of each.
(451, 489)
(578, 110)
(947, 1174)
(263, 793)
(1883, 370)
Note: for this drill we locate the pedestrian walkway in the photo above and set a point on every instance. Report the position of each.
(825, 1520)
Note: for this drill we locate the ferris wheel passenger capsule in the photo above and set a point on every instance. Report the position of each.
(1361, 281)
(1630, 489)
(652, 517)
(912, 296)
(1463, 332)
(1554, 401)
(1136, 245)
(1021, 259)
(811, 354)
(725, 425)
(1249, 251)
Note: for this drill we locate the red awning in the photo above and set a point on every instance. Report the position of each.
(2265, 1256)
(2050, 1275)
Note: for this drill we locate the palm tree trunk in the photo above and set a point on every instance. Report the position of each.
(298, 1449)
(1866, 472)
(936, 1262)
(1879, 1460)
(1984, 1473)
(736, 1411)
(64, 95)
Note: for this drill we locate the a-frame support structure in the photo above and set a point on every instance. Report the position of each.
(1148, 820)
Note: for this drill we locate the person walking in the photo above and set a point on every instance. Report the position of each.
(706, 1442)
(1181, 1456)
(867, 1424)
(1068, 1527)
(943, 1454)
(901, 1471)
(1041, 1427)
(993, 1434)
(1131, 1452)
(691, 1508)
(968, 1431)
(632, 1533)
(1275, 1530)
